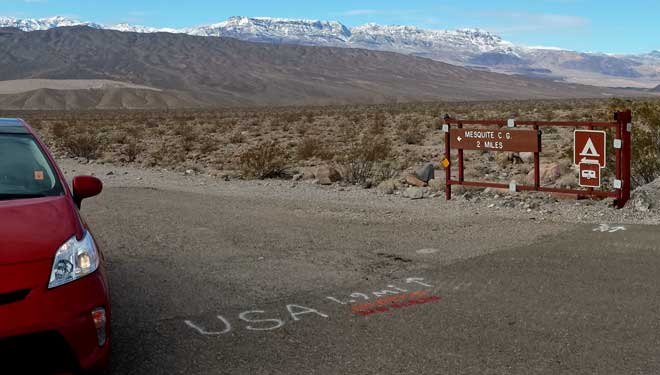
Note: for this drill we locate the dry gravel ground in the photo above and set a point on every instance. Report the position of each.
(233, 277)
(359, 202)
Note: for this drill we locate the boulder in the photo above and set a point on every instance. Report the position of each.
(568, 181)
(502, 159)
(426, 173)
(327, 175)
(388, 186)
(550, 172)
(527, 157)
(437, 184)
(308, 173)
(414, 181)
(415, 193)
(646, 197)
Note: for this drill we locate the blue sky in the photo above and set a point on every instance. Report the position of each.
(586, 25)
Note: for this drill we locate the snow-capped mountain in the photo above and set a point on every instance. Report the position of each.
(277, 30)
(43, 23)
(474, 48)
(128, 28)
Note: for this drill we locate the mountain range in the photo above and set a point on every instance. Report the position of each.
(81, 67)
(473, 48)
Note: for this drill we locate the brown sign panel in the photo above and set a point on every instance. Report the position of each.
(590, 174)
(495, 140)
(589, 147)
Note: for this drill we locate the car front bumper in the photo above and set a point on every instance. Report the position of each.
(59, 316)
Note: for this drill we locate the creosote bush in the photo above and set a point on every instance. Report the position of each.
(354, 137)
(267, 160)
(363, 159)
(646, 144)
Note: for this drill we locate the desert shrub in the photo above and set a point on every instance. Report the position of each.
(377, 124)
(189, 139)
(237, 138)
(59, 131)
(182, 129)
(310, 147)
(267, 160)
(386, 170)
(646, 144)
(358, 163)
(410, 131)
(83, 144)
(132, 149)
(208, 145)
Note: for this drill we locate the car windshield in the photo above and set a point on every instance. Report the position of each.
(24, 169)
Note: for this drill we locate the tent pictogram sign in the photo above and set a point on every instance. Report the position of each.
(590, 147)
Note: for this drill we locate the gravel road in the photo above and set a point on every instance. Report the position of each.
(216, 277)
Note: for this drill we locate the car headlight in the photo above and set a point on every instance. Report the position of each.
(73, 260)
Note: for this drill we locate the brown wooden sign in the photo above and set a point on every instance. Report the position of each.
(495, 140)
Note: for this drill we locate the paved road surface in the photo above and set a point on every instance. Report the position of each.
(238, 285)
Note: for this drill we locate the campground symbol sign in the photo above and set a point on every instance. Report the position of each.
(589, 153)
(590, 147)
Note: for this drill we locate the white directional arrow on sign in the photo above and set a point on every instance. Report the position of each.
(459, 139)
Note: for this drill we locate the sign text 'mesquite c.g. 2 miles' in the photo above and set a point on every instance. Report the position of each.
(495, 140)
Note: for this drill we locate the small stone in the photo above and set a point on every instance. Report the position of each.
(111, 173)
(189, 171)
(436, 185)
(414, 181)
(327, 175)
(527, 157)
(298, 177)
(414, 193)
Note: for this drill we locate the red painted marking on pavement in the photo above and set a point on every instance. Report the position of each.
(406, 304)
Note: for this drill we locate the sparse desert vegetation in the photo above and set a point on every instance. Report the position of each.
(366, 144)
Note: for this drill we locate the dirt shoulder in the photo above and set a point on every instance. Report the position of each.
(359, 202)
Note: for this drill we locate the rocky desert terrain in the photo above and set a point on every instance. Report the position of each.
(347, 148)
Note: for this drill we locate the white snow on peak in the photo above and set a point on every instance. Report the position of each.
(43, 23)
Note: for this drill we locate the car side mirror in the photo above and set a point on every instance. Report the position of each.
(85, 187)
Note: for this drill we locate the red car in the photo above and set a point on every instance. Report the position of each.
(54, 304)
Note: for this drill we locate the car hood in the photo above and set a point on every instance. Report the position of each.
(33, 229)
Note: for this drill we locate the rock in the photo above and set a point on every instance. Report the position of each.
(308, 173)
(368, 184)
(437, 184)
(327, 175)
(414, 193)
(414, 181)
(111, 173)
(646, 197)
(550, 172)
(297, 177)
(458, 189)
(426, 173)
(642, 202)
(189, 171)
(503, 159)
(568, 181)
(527, 157)
(388, 186)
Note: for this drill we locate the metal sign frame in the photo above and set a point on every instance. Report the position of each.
(623, 152)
